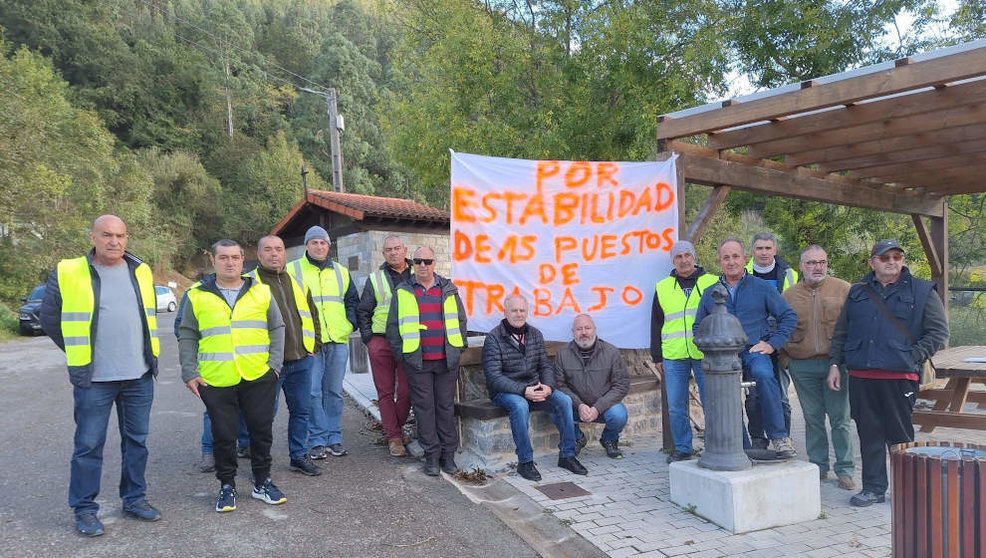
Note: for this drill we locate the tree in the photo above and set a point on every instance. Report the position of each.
(267, 187)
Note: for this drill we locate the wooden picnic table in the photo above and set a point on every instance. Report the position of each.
(951, 367)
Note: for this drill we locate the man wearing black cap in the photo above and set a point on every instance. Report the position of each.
(891, 323)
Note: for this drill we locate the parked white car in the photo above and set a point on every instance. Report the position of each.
(166, 301)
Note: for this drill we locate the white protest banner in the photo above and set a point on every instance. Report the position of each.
(571, 236)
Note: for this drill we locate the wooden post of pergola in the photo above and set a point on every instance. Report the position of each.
(897, 137)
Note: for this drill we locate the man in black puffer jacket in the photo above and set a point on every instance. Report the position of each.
(519, 377)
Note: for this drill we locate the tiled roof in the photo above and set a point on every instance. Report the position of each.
(358, 206)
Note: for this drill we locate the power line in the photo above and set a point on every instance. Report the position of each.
(161, 11)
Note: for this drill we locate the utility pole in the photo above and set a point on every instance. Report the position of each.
(304, 182)
(335, 126)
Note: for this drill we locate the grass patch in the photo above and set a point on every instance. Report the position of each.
(966, 325)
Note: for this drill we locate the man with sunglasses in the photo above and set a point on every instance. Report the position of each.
(891, 323)
(427, 329)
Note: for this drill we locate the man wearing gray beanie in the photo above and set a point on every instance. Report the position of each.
(672, 346)
(335, 299)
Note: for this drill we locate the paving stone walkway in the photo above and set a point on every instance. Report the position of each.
(629, 510)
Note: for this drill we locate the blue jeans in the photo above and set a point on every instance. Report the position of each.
(761, 368)
(242, 436)
(676, 376)
(519, 408)
(325, 413)
(615, 419)
(296, 381)
(92, 413)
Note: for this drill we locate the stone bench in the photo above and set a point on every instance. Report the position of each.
(485, 439)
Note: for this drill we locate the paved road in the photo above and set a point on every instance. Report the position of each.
(364, 504)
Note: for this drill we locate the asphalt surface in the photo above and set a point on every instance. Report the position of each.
(364, 504)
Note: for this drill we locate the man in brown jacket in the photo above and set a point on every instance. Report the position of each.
(818, 300)
(592, 373)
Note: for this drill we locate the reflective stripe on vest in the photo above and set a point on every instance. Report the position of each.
(679, 316)
(234, 344)
(383, 295)
(409, 321)
(301, 303)
(328, 288)
(79, 303)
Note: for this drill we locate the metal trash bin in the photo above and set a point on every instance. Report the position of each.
(939, 507)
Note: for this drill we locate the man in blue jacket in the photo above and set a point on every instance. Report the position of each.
(884, 350)
(754, 301)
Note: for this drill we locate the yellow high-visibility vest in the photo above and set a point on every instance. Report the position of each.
(679, 316)
(234, 344)
(410, 326)
(79, 303)
(383, 294)
(328, 288)
(301, 302)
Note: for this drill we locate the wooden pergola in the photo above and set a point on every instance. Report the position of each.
(898, 137)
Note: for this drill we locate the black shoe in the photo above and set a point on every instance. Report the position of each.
(142, 511)
(318, 452)
(448, 464)
(528, 471)
(337, 450)
(612, 449)
(679, 456)
(431, 467)
(88, 525)
(760, 443)
(306, 467)
(243, 452)
(580, 443)
(572, 465)
(867, 498)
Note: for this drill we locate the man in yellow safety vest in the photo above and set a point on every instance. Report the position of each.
(335, 299)
(111, 349)
(231, 349)
(427, 328)
(371, 315)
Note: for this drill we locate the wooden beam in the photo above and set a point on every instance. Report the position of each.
(939, 120)
(903, 157)
(706, 213)
(765, 180)
(939, 238)
(902, 171)
(832, 155)
(896, 107)
(934, 71)
(971, 186)
(682, 147)
(934, 179)
(930, 250)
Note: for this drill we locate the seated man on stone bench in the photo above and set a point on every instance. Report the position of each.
(519, 377)
(592, 373)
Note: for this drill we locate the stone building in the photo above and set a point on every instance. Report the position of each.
(358, 224)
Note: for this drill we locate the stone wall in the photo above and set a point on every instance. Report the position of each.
(488, 443)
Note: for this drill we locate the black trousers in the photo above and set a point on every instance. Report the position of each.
(433, 399)
(882, 411)
(224, 404)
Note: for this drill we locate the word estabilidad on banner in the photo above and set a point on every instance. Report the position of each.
(571, 236)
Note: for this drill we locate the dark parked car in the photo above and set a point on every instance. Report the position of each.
(30, 324)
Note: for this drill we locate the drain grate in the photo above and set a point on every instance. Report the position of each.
(562, 490)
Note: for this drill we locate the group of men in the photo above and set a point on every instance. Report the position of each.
(243, 338)
(852, 350)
